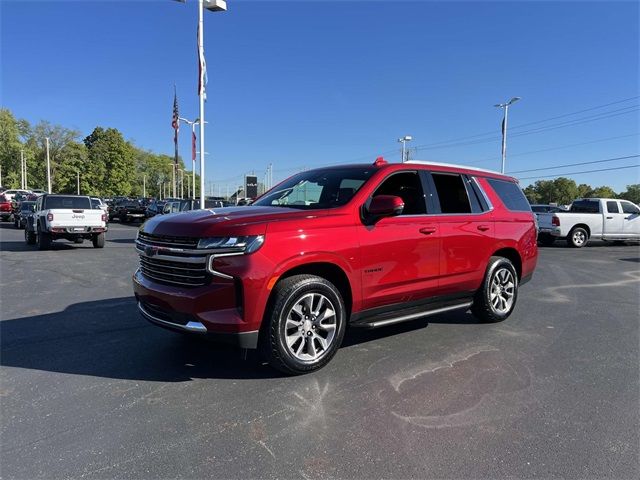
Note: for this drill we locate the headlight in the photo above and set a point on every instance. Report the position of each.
(247, 244)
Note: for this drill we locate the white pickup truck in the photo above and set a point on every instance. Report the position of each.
(68, 217)
(598, 218)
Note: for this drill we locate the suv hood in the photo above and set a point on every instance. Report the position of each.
(222, 221)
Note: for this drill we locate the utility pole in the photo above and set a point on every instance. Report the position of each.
(22, 169)
(505, 106)
(404, 140)
(48, 167)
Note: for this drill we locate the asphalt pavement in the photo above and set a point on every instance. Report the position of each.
(88, 389)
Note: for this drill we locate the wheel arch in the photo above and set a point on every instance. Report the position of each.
(581, 225)
(329, 271)
(513, 256)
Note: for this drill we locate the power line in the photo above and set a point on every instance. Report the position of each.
(575, 164)
(584, 171)
(579, 121)
(468, 137)
(559, 147)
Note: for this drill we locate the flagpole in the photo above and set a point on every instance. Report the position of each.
(201, 95)
(175, 140)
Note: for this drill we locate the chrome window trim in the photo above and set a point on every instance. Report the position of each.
(484, 194)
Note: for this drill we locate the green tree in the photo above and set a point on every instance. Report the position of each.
(603, 192)
(585, 191)
(632, 193)
(111, 161)
(10, 146)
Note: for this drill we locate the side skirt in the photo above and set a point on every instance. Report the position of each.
(403, 312)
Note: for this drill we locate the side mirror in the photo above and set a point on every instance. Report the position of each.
(385, 206)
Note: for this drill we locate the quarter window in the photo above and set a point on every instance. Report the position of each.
(452, 193)
(612, 207)
(510, 194)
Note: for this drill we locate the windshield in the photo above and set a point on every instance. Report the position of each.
(327, 188)
(27, 206)
(67, 202)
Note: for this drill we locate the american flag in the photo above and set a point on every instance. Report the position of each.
(175, 121)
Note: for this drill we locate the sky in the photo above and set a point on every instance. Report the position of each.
(303, 83)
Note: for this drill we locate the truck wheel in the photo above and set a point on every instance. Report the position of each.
(123, 219)
(29, 237)
(578, 237)
(44, 240)
(304, 324)
(497, 296)
(546, 240)
(98, 240)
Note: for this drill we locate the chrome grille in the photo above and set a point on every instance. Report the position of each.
(172, 260)
(167, 241)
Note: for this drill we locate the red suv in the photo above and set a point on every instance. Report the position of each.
(358, 245)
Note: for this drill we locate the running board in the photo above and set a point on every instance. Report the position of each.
(412, 316)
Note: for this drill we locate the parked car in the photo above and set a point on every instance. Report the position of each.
(186, 205)
(538, 208)
(154, 208)
(38, 191)
(22, 212)
(100, 204)
(591, 218)
(6, 208)
(128, 211)
(364, 245)
(68, 217)
(9, 194)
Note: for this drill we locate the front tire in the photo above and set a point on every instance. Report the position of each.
(305, 324)
(496, 298)
(578, 237)
(98, 240)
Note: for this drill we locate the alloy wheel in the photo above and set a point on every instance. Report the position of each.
(502, 291)
(310, 327)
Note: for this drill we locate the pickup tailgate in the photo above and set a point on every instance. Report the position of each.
(76, 218)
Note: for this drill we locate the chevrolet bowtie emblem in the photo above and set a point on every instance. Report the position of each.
(150, 251)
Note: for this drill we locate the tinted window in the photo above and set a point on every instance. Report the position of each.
(539, 208)
(406, 185)
(612, 207)
(451, 193)
(510, 194)
(67, 202)
(628, 207)
(585, 206)
(27, 206)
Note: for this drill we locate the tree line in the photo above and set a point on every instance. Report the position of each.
(563, 191)
(108, 164)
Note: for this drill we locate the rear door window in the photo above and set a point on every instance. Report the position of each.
(452, 193)
(510, 194)
(612, 207)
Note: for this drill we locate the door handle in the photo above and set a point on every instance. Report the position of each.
(609, 218)
(483, 228)
(428, 230)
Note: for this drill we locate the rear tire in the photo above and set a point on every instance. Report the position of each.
(578, 237)
(78, 240)
(304, 324)
(546, 240)
(98, 240)
(496, 298)
(29, 237)
(44, 240)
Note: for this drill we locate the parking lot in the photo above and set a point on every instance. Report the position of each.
(90, 390)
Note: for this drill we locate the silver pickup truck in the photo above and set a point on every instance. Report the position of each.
(69, 217)
(591, 218)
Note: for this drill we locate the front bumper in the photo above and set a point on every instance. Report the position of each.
(212, 310)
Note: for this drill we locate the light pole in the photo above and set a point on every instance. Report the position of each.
(505, 106)
(48, 167)
(144, 186)
(78, 180)
(193, 124)
(181, 182)
(22, 169)
(212, 6)
(403, 141)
